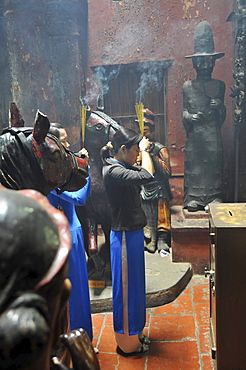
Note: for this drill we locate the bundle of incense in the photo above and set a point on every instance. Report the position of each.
(140, 114)
(83, 124)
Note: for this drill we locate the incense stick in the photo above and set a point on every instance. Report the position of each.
(140, 114)
(83, 124)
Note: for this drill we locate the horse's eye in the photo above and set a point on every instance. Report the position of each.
(55, 156)
(99, 126)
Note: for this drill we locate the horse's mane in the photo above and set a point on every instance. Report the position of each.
(16, 168)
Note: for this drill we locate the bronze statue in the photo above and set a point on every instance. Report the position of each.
(204, 113)
(157, 194)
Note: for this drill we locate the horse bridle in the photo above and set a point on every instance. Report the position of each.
(74, 170)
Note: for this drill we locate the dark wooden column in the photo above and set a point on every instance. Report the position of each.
(66, 26)
(238, 93)
(47, 51)
(25, 26)
(5, 91)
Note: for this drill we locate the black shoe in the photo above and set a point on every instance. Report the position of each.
(144, 340)
(144, 348)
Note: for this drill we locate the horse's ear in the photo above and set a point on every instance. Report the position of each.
(88, 112)
(41, 127)
(16, 119)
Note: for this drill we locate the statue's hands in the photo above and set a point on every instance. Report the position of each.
(215, 103)
(144, 144)
(84, 153)
(197, 117)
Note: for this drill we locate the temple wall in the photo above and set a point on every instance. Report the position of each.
(49, 46)
(47, 53)
(156, 30)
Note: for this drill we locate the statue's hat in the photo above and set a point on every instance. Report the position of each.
(149, 117)
(204, 41)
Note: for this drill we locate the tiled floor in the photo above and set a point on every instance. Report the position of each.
(179, 333)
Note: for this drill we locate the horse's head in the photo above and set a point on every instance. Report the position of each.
(100, 129)
(33, 158)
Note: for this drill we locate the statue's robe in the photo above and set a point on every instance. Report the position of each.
(203, 149)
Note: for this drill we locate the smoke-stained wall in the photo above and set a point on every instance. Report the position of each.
(44, 56)
(5, 91)
(46, 45)
(130, 31)
(25, 28)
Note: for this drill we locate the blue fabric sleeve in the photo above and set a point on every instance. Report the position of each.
(78, 198)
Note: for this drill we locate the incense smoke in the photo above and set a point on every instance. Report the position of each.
(99, 83)
(151, 77)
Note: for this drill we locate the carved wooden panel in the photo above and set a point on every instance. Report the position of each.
(238, 93)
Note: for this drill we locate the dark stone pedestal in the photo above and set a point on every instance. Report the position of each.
(190, 234)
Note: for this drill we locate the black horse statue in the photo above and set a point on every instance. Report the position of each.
(100, 129)
(32, 158)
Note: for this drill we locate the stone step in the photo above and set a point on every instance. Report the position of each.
(165, 280)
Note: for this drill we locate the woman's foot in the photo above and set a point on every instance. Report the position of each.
(143, 348)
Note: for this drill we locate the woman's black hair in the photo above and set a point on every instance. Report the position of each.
(124, 136)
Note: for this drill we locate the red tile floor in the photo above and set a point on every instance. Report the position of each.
(179, 333)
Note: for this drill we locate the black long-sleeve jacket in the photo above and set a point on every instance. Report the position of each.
(123, 185)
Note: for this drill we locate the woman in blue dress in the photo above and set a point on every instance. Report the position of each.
(79, 302)
(123, 182)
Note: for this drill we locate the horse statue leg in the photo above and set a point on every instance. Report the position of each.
(92, 244)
